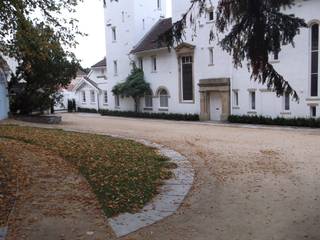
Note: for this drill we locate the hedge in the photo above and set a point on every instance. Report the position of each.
(280, 121)
(131, 114)
(87, 110)
(151, 115)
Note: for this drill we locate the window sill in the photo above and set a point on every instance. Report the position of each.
(163, 109)
(154, 72)
(148, 109)
(274, 61)
(105, 104)
(116, 107)
(286, 112)
(211, 65)
(252, 112)
(236, 107)
(187, 101)
(210, 22)
(313, 99)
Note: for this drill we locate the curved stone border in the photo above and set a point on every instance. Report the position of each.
(172, 193)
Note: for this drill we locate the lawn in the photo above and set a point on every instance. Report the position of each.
(123, 174)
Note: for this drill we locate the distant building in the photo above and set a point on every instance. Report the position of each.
(68, 93)
(91, 91)
(198, 76)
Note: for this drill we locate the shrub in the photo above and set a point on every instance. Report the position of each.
(280, 121)
(150, 115)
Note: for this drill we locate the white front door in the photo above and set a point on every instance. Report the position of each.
(215, 107)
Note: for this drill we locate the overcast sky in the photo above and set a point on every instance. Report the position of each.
(91, 49)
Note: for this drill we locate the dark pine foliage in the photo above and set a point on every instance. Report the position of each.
(251, 29)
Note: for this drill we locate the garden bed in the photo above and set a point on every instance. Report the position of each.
(46, 119)
(123, 174)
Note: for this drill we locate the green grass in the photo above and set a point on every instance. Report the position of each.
(123, 174)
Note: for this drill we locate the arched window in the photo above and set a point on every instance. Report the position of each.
(314, 59)
(164, 98)
(148, 100)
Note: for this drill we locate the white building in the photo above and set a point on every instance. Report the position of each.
(91, 92)
(6, 67)
(198, 76)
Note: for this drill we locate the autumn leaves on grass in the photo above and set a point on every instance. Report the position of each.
(123, 174)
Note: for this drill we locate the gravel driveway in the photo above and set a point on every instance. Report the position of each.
(251, 183)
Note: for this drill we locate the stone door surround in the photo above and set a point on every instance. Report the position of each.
(214, 85)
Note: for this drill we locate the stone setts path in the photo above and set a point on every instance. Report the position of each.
(170, 197)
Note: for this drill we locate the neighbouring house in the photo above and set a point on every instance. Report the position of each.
(6, 67)
(197, 76)
(69, 93)
(91, 91)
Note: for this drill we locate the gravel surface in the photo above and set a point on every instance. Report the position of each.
(251, 183)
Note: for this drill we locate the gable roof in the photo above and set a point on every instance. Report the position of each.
(89, 82)
(150, 40)
(101, 63)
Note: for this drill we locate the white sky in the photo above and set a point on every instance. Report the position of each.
(91, 49)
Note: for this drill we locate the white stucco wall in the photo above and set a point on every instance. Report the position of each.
(4, 102)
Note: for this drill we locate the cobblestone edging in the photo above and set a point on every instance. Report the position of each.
(171, 195)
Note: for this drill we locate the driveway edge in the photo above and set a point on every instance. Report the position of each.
(171, 194)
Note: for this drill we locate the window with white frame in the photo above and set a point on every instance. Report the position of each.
(314, 59)
(210, 15)
(114, 34)
(287, 102)
(313, 111)
(122, 16)
(211, 56)
(140, 60)
(235, 98)
(115, 67)
(105, 97)
(252, 96)
(83, 97)
(148, 100)
(143, 24)
(154, 63)
(117, 101)
(164, 98)
(92, 96)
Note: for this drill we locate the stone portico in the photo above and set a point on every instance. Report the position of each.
(219, 87)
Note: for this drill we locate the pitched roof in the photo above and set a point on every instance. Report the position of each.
(150, 40)
(101, 63)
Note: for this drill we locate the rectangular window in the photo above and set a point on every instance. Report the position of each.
(210, 56)
(313, 111)
(92, 96)
(114, 34)
(187, 78)
(253, 100)
(122, 16)
(154, 63)
(140, 63)
(211, 15)
(117, 100)
(115, 68)
(314, 60)
(105, 97)
(287, 102)
(159, 4)
(148, 101)
(143, 24)
(83, 96)
(164, 101)
(235, 98)
(276, 56)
